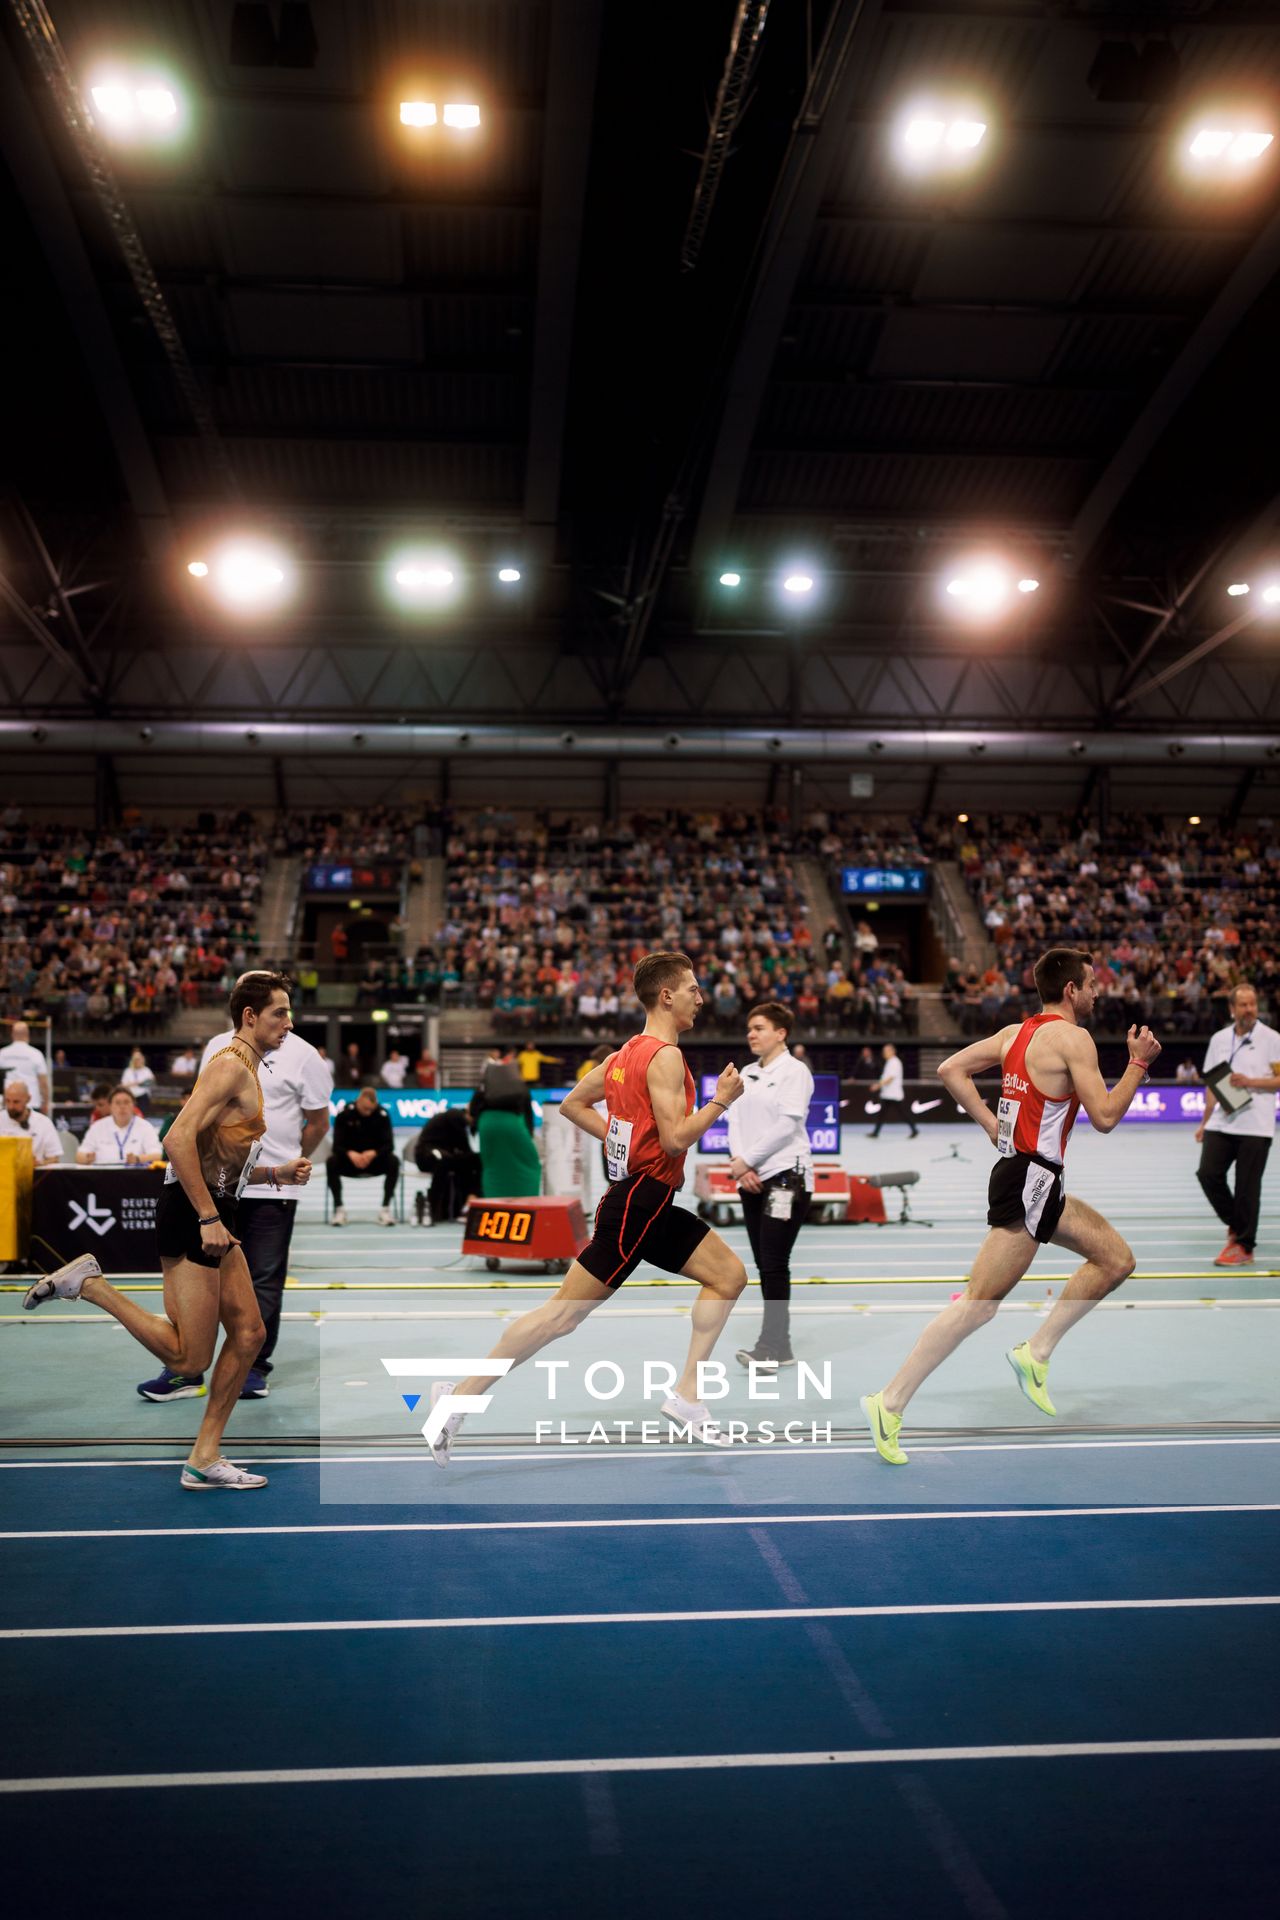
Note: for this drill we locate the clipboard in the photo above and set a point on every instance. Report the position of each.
(1232, 1098)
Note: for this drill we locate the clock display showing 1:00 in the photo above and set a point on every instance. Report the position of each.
(504, 1226)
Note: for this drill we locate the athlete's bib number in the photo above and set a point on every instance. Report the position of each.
(1007, 1112)
(617, 1147)
(255, 1153)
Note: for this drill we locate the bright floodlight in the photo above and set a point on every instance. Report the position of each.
(964, 135)
(114, 104)
(156, 104)
(423, 577)
(983, 587)
(417, 113)
(730, 579)
(248, 576)
(1028, 586)
(940, 134)
(1271, 595)
(456, 115)
(798, 583)
(1249, 146)
(1210, 143)
(923, 136)
(1193, 819)
(1238, 587)
(508, 575)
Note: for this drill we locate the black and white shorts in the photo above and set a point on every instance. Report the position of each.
(1027, 1193)
(178, 1226)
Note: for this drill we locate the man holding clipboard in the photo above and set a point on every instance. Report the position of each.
(1242, 1078)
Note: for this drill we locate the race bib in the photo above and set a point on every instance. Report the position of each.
(1007, 1112)
(780, 1203)
(255, 1154)
(617, 1148)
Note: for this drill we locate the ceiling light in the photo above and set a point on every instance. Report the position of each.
(983, 587)
(730, 579)
(1210, 143)
(922, 136)
(1193, 819)
(155, 103)
(1249, 146)
(141, 106)
(248, 576)
(1237, 588)
(199, 568)
(1224, 149)
(423, 577)
(1271, 595)
(461, 116)
(798, 583)
(114, 103)
(963, 135)
(508, 575)
(940, 134)
(963, 818)
(417, 113)
(1028, 586)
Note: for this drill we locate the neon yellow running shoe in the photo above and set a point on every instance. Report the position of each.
(884, 1428)
(1032, 1375)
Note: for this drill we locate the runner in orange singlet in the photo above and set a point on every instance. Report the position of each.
(1049, 1071)
(652, 1122)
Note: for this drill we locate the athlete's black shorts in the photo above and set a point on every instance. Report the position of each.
(178, 1226)
(639, 1220)
(1027, 1192)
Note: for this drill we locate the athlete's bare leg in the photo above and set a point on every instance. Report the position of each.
(1108, 1262)
(580, 1293)
(196, 1298)
(1003, 1258)
(722, 1277)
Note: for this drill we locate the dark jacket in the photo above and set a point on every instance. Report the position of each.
(356, 1132)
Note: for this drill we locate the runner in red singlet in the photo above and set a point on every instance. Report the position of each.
(1050, 1070)
(652, 1121)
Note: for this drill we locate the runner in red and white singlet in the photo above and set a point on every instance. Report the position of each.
(1049, 1068)
(652, 1121)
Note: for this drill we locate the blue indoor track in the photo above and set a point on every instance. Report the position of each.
(1035, 1673)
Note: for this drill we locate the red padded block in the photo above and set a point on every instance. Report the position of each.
(866, 1203)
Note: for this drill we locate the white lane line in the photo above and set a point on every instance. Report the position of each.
(554, 1454)
(645, 1520)
(644, 1763)
(703, 1616)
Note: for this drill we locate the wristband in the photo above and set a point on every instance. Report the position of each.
(722, 1104)
(209, 1220)
(1135, 1062)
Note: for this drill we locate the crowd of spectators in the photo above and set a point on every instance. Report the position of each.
(1173, 916)
(544, 922)
(115, 929)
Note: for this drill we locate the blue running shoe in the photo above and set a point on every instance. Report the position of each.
(173, 1386)
(255, 1385)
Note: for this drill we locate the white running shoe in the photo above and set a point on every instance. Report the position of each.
(385, 1217)
(339, 1216)
(692, 1414)
(443, 1442)
(64, 1284)
(220, 1474)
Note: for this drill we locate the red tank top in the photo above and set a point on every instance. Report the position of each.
(1030, 1122)
(633, 1145)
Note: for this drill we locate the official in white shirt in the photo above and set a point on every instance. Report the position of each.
(20, 1057)
(773, 1166)
(124, 1139)
(21, 1121)
(893, 1099)
(296, 1085)
(1243, 1138)
(394, 1069)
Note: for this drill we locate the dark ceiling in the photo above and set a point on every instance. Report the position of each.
(304, 320)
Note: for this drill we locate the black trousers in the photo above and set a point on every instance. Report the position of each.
(772, 1239)
(891, 1111)
(265, 1228)
(1238, 1210)
(387, 1164)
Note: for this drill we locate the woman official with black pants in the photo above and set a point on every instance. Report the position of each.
(773, 1167)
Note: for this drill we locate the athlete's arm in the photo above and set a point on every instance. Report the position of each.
(579, 1104)
(214, 1092)
(676, 1129)
(1080, 1058)
(956, 1075)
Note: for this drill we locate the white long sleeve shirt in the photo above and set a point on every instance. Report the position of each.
(767, 1124)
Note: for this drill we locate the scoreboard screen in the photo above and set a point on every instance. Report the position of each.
(499, 1226)
(822, 1124)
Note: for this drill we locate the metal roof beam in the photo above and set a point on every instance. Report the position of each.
(1250, 278)
(816, 141)
(573, 60)
(36, 177)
